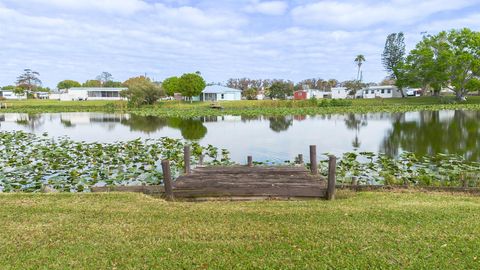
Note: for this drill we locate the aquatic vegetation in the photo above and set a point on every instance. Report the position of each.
(29, 162)
(407, 169)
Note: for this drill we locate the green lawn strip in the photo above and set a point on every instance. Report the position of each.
(364, 230)
(246, 107)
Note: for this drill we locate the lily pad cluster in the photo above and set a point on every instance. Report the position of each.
(29, 162)
(406, 169)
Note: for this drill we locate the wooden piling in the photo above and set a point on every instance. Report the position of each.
(250, 161)
(354, 181)
(332, 168)
(186, 159)
(167, 180)
(313, 160)
(300, 159)
(200, 159)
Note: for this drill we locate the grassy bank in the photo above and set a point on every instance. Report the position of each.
(247, 108)
(126, 231)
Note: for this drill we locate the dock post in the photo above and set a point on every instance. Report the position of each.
(167, 180)
(313, 159)
(300, 159)
(186, 159)
(332, 168)
(200, 159)
(250, 161)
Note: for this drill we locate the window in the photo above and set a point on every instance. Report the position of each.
(223, 96)
(383, 91)
(372, 91)
(389, 91)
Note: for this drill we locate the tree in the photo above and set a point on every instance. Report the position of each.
(426, 65)
(353, 86)
(463, 60)
(112, 84)
(448, 59)
(359, 61)
(387, 81)
(280, 89)
(92, 83)
(141, 91)
(104, 77)
(250, 93)
(171, 86)
(9, 87)
(393, 57)
(67, 84)
(29, 80)
(191, 84)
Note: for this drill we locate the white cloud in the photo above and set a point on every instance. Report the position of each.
(108, 6)
(358, 14)
(187, 15)
(267, 8)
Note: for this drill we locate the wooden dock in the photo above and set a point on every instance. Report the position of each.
(241, 182)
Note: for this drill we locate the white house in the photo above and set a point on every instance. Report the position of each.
(220, 93)
(315, 93)
(92, 93)
(7, 94)
(383, 91)
(340, 92)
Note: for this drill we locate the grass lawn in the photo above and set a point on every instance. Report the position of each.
(132, 231)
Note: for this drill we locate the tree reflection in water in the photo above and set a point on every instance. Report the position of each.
(191, 129)
(356, 122)
(457, 133)
(280, 123)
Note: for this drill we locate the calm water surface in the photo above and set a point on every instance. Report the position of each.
(275, 138)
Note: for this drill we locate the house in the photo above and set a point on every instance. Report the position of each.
(310, 93)
(340, 92)
(413, 92)
(92, 93)
(7, 94)
(382, 91)
(300, 95)
(41, 95)
(219, 93)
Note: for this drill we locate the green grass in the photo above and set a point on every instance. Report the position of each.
(246, 107)
(131, 231)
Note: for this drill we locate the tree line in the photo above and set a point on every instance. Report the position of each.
(449, 59)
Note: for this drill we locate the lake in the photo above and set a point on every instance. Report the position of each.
(275, 138)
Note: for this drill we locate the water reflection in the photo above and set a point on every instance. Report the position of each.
(276, 137)
(280, 123)
(431, 132)
(356, 122)
(146, 124)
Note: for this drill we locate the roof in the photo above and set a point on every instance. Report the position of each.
(218, 89)
(381, 87)
(108, 89)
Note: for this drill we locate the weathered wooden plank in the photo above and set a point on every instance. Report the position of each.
(275, 192)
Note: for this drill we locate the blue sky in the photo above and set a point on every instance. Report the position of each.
(78, 39)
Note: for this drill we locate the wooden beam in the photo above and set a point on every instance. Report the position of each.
(313, 160)
(332, 168)
(167, 180)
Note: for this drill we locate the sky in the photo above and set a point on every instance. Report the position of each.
(295, 40)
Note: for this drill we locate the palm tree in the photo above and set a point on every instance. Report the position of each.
(359, 61)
